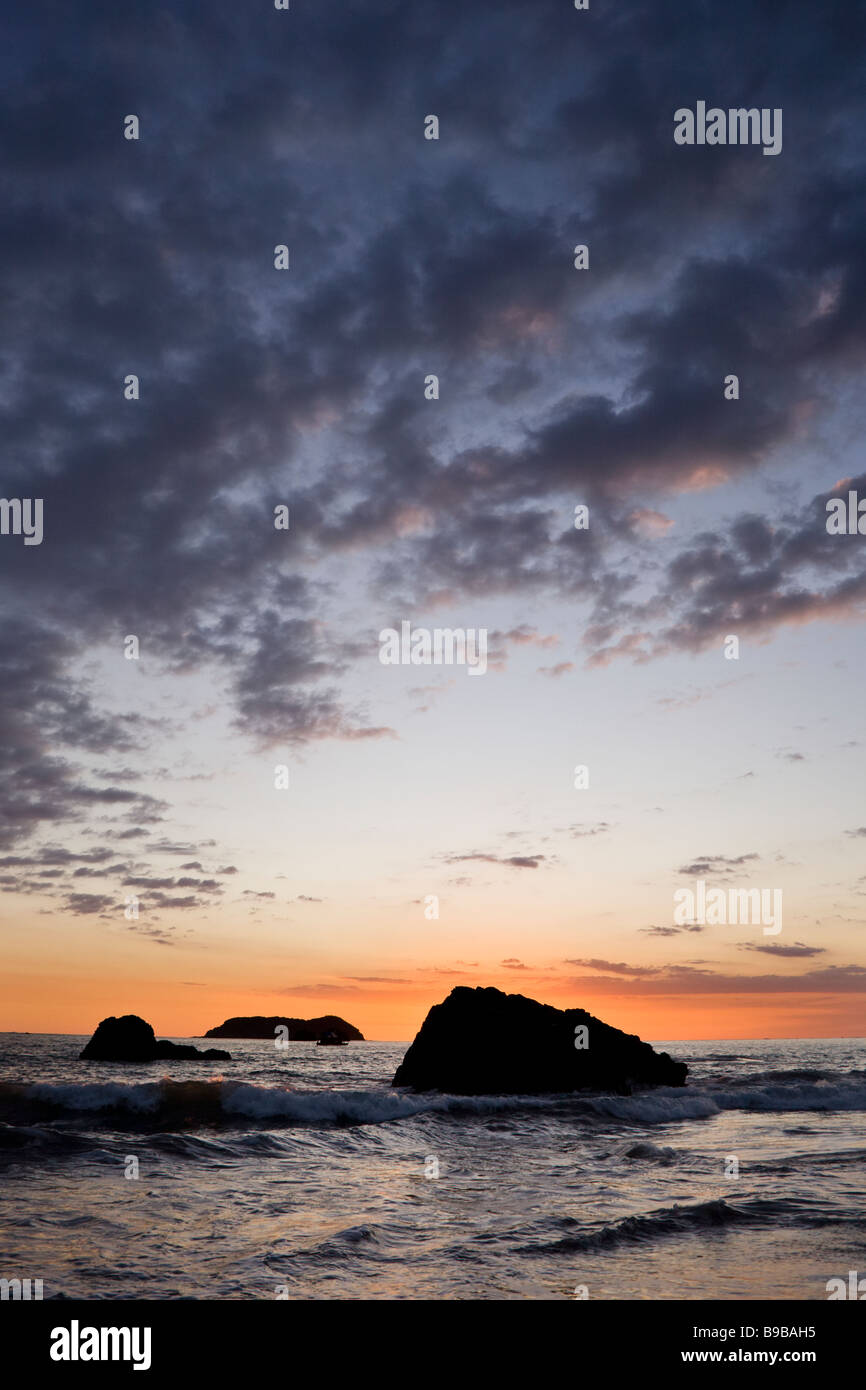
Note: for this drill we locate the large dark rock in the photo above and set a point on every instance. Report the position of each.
(130, 1039)
(484, 1042)
(300, 1029)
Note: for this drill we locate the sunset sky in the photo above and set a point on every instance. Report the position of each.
(305, 387)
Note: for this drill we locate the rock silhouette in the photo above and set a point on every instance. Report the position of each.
(300, 1029)
(484, 1042)
(130, 1039)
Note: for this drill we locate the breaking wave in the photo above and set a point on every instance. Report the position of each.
(186, 1104)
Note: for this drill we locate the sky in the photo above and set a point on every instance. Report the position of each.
(432, 831)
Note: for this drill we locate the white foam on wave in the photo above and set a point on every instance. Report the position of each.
(666, 1104)
(822, 1095)
(364, 1107)
(144, 1097)
(237, 1098)
(255, 1102)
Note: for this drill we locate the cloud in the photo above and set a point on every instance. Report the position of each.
(377, 980)
(49, 854)
(772, 948)
(753, 579)
(523, 635)
(671, 931)
(259, 387)
(560, 669)
(715, 864)
(162, 936)
(513, 861)
(614, 968)
(88, 904)
(649, 522)
(168, 847)
(691, 981)
(318, 991)
(155, 898)
(439, 970)
(580, 832)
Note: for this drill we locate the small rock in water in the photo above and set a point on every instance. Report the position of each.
(130, 1039)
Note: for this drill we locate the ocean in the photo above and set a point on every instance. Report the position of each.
(302, 1174)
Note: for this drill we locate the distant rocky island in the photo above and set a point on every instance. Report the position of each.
(130, 1039)
(484, 1042)
(300, 1029)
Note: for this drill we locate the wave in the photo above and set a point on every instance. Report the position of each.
(342, 1245)
(689, 1220)
(189, 1104)
(820, 1158)
(652, 1153)
(184, 1104)
(14, 1139)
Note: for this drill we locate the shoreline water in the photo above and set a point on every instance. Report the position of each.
(305, 1170)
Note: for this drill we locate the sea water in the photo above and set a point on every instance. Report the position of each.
(301, 1173)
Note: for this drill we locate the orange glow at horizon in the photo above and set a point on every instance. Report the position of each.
(60, 1004)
